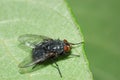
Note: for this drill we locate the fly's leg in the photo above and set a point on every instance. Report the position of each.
(58, 69)
(75, 55)
(34, 66)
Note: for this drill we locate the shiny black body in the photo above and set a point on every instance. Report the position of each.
(48, 49)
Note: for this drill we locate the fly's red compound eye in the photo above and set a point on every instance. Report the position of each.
(67, 48)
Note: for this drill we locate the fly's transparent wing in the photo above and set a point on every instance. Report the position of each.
(27, 42)
(30, 62)
(27, 62)
(31, 40)
(28, 65)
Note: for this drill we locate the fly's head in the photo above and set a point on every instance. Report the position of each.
(67, 46)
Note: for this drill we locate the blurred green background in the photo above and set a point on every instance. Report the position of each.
(100, 24)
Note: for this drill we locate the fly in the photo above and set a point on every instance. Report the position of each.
(44, 48)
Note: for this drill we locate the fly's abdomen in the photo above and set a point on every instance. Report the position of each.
(38, 53)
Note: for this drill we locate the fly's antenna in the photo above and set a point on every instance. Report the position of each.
(76, 43)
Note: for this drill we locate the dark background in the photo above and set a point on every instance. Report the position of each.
(100, 24)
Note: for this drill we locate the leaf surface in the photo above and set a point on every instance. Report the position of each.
(44, 17)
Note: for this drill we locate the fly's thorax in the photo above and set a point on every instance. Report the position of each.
(55, 46)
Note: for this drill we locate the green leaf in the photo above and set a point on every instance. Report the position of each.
(44, 17)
